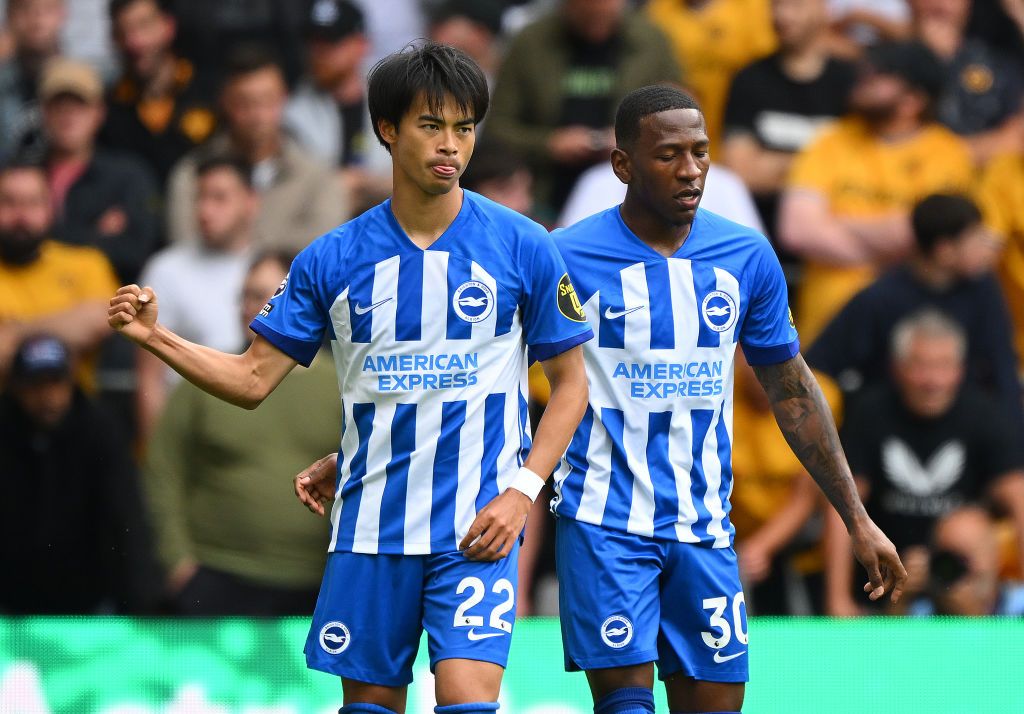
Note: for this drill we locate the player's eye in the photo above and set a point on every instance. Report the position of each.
(665, 157)
(465, 130)
(431, 127)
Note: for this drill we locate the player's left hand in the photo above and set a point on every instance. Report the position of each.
(878, 555)
(496, 527)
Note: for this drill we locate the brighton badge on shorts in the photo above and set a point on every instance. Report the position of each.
(334, 637)
(617, 631)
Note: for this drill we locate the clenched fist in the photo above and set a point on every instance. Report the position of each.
(133, 313)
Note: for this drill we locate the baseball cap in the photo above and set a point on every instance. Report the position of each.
(483, 12)
(332, 20)
(65, 76)
(41, 357)
(911, 61)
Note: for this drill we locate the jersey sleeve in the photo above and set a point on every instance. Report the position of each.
(768, 334)
(553, 318)
(296, 316)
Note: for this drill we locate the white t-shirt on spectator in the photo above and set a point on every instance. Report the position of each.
(724, 194)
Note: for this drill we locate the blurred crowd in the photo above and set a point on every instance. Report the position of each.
(196, 146)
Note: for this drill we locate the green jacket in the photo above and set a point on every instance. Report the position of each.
(529, 89)
(218, 479)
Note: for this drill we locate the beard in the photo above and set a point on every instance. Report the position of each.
(20, 246)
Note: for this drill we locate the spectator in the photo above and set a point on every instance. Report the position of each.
(856, 24)
(300, 198)
(779, 103)
(962, 572)
(86, 548)
(34, 27)
(162, 105)
(983, 97)
(847, 204)
(500, 176)
(199, 283)
(231, 535)
(1001, 196)
(327, 114)
(712, 40)
(724, 193)
(46, 286)
(773, 502)
(950, 270)
(473, 26)
(100, 198)
(922, 448)
(559, 84)
(1001, 23)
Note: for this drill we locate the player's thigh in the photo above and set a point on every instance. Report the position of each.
(703, 617)
(469, 612)
(608, 596)
(686, 694)
(366, 626)
(356, 692)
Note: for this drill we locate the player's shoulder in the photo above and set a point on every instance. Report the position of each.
(502, 223)
(591, 231)
(732, 238)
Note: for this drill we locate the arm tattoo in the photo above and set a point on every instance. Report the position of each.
(806, 421)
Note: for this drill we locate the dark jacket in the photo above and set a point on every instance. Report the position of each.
(73, 535)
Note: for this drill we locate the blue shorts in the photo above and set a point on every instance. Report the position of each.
(372, 610)
(628, 599)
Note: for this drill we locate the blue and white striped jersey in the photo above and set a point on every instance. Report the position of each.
(653, 455)
(431, 352)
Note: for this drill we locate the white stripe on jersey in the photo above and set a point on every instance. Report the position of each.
(635, 295)
(598, 477)
(471, 453)
(634, 442)
(378, 454)
(385, 297)
(680, 455)
(349, 444)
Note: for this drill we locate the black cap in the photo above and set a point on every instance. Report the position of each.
(483, 12)
(913, 62)
(333, 20)
(39, 358)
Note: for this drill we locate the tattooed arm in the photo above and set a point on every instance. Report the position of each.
(806, 421)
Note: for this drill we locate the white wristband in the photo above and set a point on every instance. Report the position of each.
(528, 483)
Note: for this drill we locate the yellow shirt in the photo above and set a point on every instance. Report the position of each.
(862, 176)
(1001, 197)
(712, 43)
(61, 278)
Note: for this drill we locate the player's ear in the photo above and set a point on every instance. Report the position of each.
(388, 131)
(621, 165)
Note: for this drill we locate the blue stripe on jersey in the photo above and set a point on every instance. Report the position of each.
(613, 331)
(725, 459)
(663, 331)
(666, 500)
(410, 298)
(494, 442)
(392, 504)
(620, 487)
(576, 456)
(525, 442)
(506, 312)
(704, 282)
(700, 423)
(446, 472)
(459, 271)
(360, 294)
(352, 492)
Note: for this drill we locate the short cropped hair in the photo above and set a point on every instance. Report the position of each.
(247, 58)
(237, 166)
(941, 217)
(927, 322)
(434, 70)
(643, 102)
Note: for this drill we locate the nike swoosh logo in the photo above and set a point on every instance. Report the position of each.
(613, 315)
(474, 635)
(360, 310)
(719, 658)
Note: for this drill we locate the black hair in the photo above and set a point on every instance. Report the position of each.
(643, 102)
(240, 168)
(247, 58)
(940, 217)
(117, 6)
(281, 256)
(431, 69)
(492, 161)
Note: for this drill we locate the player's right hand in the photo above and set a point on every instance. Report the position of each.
(316, 484)
(133, 313)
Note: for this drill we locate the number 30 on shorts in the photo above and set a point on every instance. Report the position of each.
(478, 589)
(725, 632)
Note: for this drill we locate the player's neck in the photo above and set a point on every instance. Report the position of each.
(662, 237)
(424, 216)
